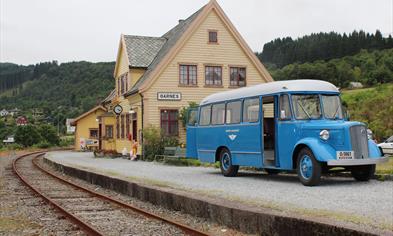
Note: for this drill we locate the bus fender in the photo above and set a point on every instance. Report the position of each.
(322, 151)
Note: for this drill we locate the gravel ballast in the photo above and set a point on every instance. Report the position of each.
(369, 204)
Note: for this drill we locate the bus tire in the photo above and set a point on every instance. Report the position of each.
(363, 173)
(227, 169)
(308, 168)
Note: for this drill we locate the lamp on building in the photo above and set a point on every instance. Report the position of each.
(132, 111)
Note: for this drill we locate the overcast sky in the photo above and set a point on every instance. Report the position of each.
(72, 30)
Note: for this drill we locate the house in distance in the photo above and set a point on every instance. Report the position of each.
(156, 77)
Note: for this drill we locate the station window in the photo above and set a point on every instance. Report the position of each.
(218, 114)
(93, 133)
(213, 36)
(170, 122)
(213, 75)
(285, 111)
(188, 74)
(127, 125)
(251, 110)
(109, 131)
(233, 112)
(122, 84)
(205, 115)
(238, 76)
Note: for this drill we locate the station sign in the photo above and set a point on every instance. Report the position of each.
(168, 96)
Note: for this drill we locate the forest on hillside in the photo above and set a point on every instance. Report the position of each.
(320, 46)
(59, 91)
(368, 67)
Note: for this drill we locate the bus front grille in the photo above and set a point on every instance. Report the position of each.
(359, 141)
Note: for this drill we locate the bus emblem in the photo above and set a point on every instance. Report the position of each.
(232, 137)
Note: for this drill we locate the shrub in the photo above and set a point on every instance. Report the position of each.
(27, 135)
(49, 134)
(14, 146)
(65, 142)
(154, 142)
(43, 144)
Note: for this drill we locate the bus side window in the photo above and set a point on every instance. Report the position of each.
(285, 111)
(251, 110)
(205, 115)
(218, 114)
(233, 112)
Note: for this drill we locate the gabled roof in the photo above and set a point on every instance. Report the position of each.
(172, 37)
(141, 50)
(110, 96)
(175, 39)
(87, 113)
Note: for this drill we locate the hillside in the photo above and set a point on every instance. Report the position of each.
(367, 67)
(373, 106)
(320, 46)
(60, 91)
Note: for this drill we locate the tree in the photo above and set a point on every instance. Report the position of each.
(49, 134)
(27, 135)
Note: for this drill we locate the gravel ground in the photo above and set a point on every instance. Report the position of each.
(369, 204)
(22, 213)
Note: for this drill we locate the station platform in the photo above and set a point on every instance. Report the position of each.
(338, 202)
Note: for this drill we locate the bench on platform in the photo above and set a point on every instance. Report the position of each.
(171, 153)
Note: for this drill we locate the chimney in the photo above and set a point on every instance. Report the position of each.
(180, 21)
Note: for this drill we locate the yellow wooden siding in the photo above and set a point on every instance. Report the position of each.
(84, 125)
(135, 75)
(198, 51)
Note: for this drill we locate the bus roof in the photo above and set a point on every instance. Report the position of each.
(271, 88)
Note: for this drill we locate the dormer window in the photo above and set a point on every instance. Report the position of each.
(122, 84)
(213, 36)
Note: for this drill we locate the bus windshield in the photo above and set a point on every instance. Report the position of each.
(332, 107)
(306, 106)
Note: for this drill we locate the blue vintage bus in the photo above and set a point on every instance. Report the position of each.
(280, 126)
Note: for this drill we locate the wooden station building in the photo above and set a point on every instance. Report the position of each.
(156, 76)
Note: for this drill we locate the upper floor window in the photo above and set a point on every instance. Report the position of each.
(213, 75)
(188, 74)
(122, 84)
(213, 36)
(238, 76)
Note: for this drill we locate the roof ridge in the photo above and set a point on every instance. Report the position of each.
(142, 36)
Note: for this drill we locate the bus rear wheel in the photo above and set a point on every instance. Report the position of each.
(308, 168)
(363, 173)
(227, 169)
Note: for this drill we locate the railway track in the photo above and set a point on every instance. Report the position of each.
(94, 213)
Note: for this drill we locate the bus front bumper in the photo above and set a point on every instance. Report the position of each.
(357, 162)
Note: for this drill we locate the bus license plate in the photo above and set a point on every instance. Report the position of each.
(345, 155)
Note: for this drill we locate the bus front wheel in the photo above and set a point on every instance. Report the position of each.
(308, 168)
(227, 169)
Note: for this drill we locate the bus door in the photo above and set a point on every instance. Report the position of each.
(192, 118)
(269, 130)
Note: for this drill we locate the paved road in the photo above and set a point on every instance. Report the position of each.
(370, 203)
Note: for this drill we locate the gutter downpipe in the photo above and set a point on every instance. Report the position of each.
(143, 111)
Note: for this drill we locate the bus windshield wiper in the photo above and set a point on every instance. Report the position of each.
(334, 116)
(309, 117)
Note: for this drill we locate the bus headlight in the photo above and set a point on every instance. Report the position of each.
(324, 135)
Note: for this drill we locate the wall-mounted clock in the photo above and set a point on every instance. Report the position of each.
(118, 109)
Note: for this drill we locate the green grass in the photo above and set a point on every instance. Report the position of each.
(385, 168)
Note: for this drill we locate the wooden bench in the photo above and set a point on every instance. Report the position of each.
(171, 152)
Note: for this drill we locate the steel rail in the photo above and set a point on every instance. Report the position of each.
(88, 229)
(186, 229)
